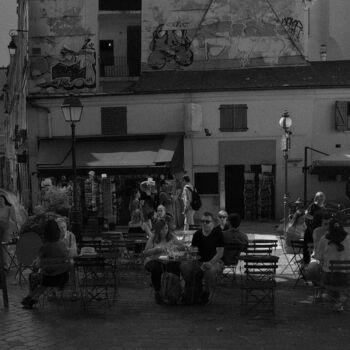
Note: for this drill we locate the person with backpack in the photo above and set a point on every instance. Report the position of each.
(191, 200)
(163, 242)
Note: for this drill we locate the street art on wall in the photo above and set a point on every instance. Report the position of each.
(221, 33)
(72, 70)
(62, 46)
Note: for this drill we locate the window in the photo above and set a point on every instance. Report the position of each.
(113, 121)
(342, 115)
(233, 117)
(119, 5)
(207, 183)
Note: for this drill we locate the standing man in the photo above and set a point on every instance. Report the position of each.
(187, 198)
(209, 242)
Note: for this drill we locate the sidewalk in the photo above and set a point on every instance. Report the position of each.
(136, 322)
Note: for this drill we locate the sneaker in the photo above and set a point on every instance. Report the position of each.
(158, 298)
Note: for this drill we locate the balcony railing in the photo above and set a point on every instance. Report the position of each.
(122, 67)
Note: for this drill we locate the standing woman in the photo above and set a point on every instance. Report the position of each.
(135, 202)
(161, 242)
(7, 216)
(313, 220)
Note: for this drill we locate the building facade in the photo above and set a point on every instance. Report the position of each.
(196, 86)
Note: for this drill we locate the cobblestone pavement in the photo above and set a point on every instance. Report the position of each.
(136, 322)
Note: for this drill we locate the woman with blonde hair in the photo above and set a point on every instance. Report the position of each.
(295, 230)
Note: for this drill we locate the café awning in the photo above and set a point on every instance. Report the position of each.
(147, 152)
(336, 163)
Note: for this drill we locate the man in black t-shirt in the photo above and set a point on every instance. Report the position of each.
(209, 241)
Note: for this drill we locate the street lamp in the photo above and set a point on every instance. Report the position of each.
(285, 123)
(12, 47)
(72, 110)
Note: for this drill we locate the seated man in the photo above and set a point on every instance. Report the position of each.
(234, 237)
(209, 241)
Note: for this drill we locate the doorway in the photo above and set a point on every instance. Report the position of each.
(234, 184)
(106, 56)
(262, 206)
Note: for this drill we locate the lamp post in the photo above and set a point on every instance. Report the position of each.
(72, 110)
(285, 123)
(12, 47)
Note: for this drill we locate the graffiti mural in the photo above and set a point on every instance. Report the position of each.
(168, 45)
(215, 33)
(72, 70)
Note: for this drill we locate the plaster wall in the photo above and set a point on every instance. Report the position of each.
(206, 34)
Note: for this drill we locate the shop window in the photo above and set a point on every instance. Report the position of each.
(207, 183)
(120, 5)
(233, 117)
(113, 121)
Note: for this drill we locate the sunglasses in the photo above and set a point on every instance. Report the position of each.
(222, 217)
(206, 221)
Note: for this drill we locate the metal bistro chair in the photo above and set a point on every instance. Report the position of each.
(27, 249)
(339, 278)
(232, 252)
(297, 259)
(261, 246)
(258, 283)
(92, 279)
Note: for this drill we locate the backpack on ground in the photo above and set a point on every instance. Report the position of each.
(170, 288)
(196, 201)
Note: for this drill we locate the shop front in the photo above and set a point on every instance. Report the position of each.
(108, 170)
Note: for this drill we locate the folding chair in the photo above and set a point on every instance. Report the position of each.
(232, 252)
(258, 283)
(27, 249)
(339, 280)
(93, 280)
(261, 247)
(297, 259)
(289, 257)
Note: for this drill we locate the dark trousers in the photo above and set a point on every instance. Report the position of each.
(308, 240)
(156, 268)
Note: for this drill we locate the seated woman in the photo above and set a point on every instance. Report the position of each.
(137, 225)
(295, 230)
(53, 263)
(334, 245)
(161, 242)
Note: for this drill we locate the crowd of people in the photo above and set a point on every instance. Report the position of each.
(325, 239)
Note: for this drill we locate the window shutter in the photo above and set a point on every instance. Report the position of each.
(226, 117)
(341, 111)
(240, 117)
(113, 121)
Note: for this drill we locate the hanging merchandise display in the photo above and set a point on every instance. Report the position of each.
(249, 195)
(265, 195)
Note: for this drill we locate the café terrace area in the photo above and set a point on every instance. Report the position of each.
(135, 321)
